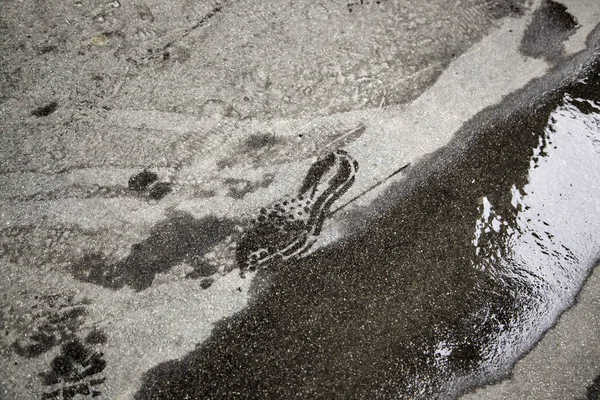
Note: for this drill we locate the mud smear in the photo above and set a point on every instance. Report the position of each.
(181, 238)
(550, 27)
(469, 263)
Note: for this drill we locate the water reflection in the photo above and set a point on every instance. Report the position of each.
(544, 243)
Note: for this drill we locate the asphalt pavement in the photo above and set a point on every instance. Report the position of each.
(445, 156)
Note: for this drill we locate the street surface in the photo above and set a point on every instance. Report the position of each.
(446, 156)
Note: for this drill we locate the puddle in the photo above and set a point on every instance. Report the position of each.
(471, 260)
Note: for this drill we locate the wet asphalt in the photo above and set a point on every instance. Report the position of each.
(471, 258)
(441, 285)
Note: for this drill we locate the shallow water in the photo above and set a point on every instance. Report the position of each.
(469, 262)
(540, 239)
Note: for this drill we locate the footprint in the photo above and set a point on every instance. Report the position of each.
(57, 322)
(76, 370)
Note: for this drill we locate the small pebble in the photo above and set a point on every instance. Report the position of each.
(99, 40)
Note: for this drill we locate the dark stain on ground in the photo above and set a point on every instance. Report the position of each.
(47, 49)
(593, 390)
(140, 181)
(205, 283)
(506, 8)
(181, 238)
(159, 190)
(146, 181)
(362, 318)
(239, 188)
(96, 336)
(72, 369)
(260, 140)
(57, 320)
(253, 148)
(46, 110)
(550, 26)
(42, 342)
(54, 324)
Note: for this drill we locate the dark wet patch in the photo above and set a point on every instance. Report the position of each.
(159, 190)
(75, 350)
(201, 270)
(58, 320)
(206, 283)
(96, 336)
(42, 342)
(140, 181)
(75, 191)
(550, 27)
(94, 268)
(316, 172)
(72, 370)
(146, 182)
(593, 390)
(254, 147)
(47, 49)
(362, 319)
(181, 238)
(465, 356)
(46, 110)
(55, 320)
(238, 188)
(506, 8)
(585, 106)
(259, 141)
